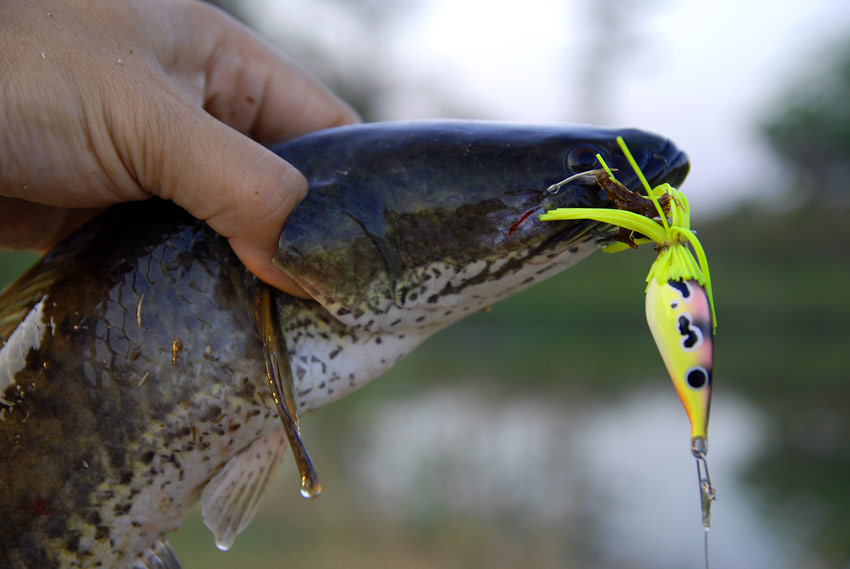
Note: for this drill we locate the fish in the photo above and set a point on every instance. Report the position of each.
(138, 357)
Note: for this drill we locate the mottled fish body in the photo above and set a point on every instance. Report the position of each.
(132, 377)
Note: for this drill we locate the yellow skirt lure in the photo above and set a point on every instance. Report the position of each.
(679, 300)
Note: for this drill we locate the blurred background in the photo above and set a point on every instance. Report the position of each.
(545, 433)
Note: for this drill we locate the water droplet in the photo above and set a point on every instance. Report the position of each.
(310, 488)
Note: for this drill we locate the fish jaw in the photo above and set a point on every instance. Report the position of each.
(334, 356)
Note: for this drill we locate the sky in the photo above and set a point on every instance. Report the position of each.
(704, 74)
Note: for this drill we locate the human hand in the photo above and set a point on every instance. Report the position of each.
(105, 101)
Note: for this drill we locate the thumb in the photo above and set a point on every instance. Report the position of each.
(240, 188)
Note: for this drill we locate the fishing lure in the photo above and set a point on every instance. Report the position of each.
(679, 299)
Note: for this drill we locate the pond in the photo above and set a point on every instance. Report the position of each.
(454, 478)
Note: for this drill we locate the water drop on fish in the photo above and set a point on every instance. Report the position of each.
(310, 489)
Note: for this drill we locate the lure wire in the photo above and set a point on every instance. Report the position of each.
(707, 495)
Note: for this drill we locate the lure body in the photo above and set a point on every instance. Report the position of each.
(679, 317)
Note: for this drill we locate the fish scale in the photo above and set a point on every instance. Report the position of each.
(142, 448)
(132, 371)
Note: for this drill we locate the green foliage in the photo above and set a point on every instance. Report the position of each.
(12, 264)
(810, 131)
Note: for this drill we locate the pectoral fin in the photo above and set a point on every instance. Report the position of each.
(230, 500)
(280, 383)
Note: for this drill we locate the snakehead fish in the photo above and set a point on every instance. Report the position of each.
(135, 358)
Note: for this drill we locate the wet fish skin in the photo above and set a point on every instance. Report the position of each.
(131, 370)
(108, 435)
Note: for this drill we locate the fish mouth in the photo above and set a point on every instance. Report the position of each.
(565, 244)
(665, 164)
(668, 165)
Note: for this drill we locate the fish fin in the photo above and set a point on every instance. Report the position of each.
(230, 499)
(19, 298)
(283, 392)
(158, 556)
(18, 301)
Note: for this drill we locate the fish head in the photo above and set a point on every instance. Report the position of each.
(679, 316)
(412, 225)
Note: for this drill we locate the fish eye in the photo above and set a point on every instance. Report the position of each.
(697, 377)
(583, 158)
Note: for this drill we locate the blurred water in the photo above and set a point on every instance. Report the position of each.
(616, 477)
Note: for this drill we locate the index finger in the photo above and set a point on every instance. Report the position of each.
(253, 87)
